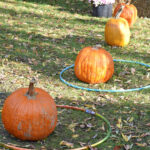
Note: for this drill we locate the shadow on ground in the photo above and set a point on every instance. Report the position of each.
(112, 111)
(56, 53)
(71, 6)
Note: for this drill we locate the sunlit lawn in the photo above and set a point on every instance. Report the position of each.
(39, 39)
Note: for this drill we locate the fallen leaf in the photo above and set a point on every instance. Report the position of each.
(103, 127)
(133, 71)
(125, 137)
(124, 73)
(75, 135)
(83, 99)
(82, 126)
(145, 134)
(127, 147)
(139, 139)
(89, 125)
(9, 46)
(43, 148)
(95, 136)
(82, 144)
(90, 106)
(131, 119)
(148, 124)
(141, 144)
(129, 81)
(68, 144)
(119, 123)
(72, 126)
(117, 148)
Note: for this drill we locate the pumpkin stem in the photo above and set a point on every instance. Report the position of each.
(119, 11)
(31, 93)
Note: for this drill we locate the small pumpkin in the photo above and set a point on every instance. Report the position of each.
(117, 31)
(129, 12)
(29, 113)
(94, 65)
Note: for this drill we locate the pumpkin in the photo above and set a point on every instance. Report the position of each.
(117, 31)
(129, 12)
(29, 113)
(94, 65)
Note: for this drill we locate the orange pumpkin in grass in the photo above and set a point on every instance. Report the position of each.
(129, 12)
(29, 114)
(94, 65)
(117, 31)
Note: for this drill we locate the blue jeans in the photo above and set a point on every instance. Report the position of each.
(103, 11)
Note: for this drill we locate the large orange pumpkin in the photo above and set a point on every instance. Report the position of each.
(117, 31)
(94, 65)
(29, 114)
(129, 12)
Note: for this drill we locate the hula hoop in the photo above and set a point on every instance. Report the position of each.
(101, 90)
(81, 148)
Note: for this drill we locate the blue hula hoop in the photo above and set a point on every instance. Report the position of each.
(101, 90)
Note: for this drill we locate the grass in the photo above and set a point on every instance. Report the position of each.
(40, 38)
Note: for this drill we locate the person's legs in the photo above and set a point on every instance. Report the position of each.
(94, 13)
(102, 11)
(109, 10)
